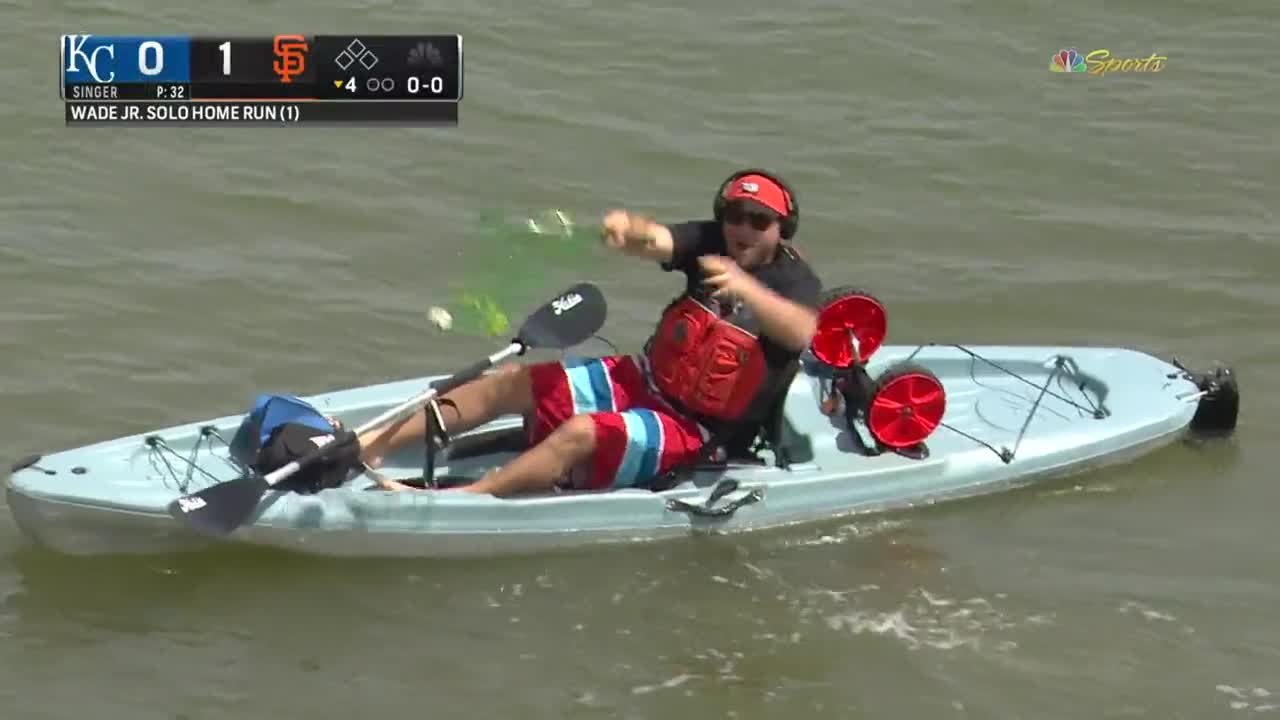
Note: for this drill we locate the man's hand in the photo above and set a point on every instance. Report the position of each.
(789, 323)
(728, 280)
(636, 235)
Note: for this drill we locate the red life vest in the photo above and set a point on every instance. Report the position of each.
(704, 363)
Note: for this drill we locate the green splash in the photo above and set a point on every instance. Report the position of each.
(485, 313)
(511, 266)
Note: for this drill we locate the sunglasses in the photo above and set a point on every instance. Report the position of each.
(758, 219)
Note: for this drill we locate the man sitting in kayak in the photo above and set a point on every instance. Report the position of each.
(749, 308)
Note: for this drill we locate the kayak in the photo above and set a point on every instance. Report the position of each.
(863, 427)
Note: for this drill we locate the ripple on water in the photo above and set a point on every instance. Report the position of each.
(924, 619)
(1255, 699)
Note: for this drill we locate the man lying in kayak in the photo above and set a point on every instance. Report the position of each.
(720, 348)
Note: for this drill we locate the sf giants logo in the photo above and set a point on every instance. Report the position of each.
(73, 49)
(291, 54)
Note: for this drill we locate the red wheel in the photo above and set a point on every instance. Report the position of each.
(845, 310)
(907, 405)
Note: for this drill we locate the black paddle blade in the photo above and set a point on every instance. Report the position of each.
(571, 318)
(219, 509)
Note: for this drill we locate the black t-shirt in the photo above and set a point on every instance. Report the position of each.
(788, 275)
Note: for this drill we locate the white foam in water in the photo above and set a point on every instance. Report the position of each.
(1244, 698)
(759, 572)
(893, 623)
(852, 531)
(728, 667)
(1146, 612)
(726, 581)
(673, 682)
(936, 602)
(1084, 489)
(927, 619)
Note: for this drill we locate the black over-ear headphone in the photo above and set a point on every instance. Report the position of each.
(786, 225)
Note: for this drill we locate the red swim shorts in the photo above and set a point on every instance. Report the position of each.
(638, 436)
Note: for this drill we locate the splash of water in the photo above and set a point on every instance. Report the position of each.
(511, 265)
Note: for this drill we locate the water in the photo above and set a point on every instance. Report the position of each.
(150, 276)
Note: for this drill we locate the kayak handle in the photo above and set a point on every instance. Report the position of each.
(707, 508)
(30, 462)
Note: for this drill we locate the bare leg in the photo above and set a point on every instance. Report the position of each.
(504, 391)
(538, 468)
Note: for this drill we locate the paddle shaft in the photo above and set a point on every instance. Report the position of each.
(462, 377)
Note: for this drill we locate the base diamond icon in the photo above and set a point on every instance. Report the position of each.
(356, 52)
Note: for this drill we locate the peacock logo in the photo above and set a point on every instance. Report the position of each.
(1067, 61)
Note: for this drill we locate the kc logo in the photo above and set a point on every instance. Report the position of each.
(291, 51)
(75, 43)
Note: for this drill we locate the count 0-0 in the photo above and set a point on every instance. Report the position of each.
(435, 85)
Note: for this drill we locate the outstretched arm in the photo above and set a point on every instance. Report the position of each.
(638, 235)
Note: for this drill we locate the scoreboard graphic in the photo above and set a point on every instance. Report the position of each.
(378, 80)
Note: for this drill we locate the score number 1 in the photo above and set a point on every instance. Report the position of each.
(225, 48)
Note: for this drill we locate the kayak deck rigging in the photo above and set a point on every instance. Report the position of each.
(159, 447)
(1061, 364)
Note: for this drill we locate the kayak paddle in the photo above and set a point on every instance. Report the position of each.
(571, 318)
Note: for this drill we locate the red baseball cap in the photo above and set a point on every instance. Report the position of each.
(759, 190)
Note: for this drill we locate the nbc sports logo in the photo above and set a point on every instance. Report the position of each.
(1102, 62)
(1067, 61)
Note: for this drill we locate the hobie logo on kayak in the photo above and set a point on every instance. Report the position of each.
(566, 303)
(187, 504)
(1101, 62)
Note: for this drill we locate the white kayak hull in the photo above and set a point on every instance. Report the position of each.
(112, 497)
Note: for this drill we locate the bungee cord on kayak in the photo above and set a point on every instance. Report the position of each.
(159, 452)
